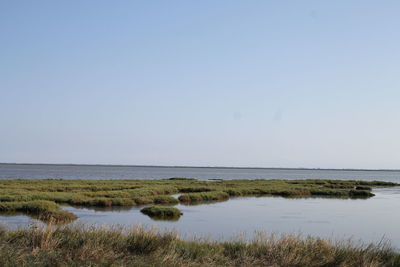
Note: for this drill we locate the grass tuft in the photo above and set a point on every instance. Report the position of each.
(162, 212)
(203, 196)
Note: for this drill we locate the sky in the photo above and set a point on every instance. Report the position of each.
(201, 83)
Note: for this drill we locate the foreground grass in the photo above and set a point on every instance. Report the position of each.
(41, 197)
(83, 246)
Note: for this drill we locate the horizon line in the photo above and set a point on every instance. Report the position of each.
(189, 166)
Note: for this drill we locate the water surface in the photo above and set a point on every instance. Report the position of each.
(368, 220)
(17, 171)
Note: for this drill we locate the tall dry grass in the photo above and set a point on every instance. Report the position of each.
(113, 246)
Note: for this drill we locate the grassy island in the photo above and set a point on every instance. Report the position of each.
(42, 209)
(41, 198)
(162, 212)
(90, 246)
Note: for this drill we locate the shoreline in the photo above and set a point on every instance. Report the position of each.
(198, 167)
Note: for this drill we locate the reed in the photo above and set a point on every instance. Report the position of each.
(111, 246)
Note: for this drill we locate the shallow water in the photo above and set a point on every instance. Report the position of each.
(12, 171)
(368, 220)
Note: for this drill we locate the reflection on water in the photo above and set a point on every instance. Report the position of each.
(100, 209)
(365, 219)
(17, 220)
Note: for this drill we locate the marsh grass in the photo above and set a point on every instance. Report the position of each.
(22, 195)
(203, 196)
(112, 246)
(162, 212)
(363, 187)
(40, 209)
(165, 200)
(361, 193)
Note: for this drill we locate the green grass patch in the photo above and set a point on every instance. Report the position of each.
(15, 194)
(361, 193)
(165, 200)
(44, 210)
(162, 212)
(363, 187)
(203, 196)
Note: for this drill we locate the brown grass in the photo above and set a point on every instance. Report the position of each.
(93, 246)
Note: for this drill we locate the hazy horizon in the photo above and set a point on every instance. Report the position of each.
(193, 166)
(281, 84)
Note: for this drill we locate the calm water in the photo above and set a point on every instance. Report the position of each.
(131, 172)
(367, 220)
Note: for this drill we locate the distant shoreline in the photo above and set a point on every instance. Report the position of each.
(195, 167)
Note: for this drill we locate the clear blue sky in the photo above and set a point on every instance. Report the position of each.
(228, 83)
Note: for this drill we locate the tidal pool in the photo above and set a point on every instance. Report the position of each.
(368, 220)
